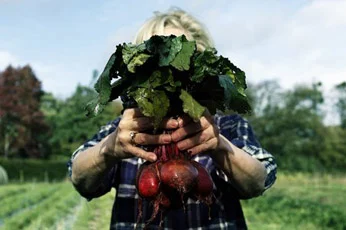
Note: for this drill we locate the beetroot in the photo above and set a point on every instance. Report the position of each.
(172, 179)
(179, 174)
(148, 181)
(204, 185)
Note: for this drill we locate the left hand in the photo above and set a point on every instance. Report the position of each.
(196, 137)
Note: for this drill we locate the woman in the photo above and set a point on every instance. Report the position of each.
(225, 145)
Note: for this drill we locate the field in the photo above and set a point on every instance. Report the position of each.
(301, 201)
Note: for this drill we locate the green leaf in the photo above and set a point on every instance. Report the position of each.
(240, 82)
(134, 56)
(233, 99)
(165, 48)
(161, 79)
(191, 106)
(130, 50)
(103, 84)
(153, 103)
(119, 87)
(229, 89)
(183, 58)
(137, 61)
(94, 108)
(204, 64)
(172, 86)
(238, 76)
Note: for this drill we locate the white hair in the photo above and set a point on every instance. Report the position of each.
(177, 19)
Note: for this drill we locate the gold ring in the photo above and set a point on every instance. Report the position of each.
(132, 136)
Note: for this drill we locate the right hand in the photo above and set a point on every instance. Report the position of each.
(120, 143)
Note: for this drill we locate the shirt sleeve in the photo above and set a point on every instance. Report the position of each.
(108, 180)
(239, 132)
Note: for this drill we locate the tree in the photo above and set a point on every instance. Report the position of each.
(264, 97)
(341, 104)
(22, 123)
(70, 127)
(290, 124)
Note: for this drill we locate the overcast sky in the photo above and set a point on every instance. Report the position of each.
(292, 41)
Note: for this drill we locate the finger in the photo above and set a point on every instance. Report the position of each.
(169, 123)
(140, 124)
(136, 151)
(188, 127)
(184, 120)
(195, 140)
(148, 139)
(186, 131)
(201, 137)
(143, 122)
(191, 128)
(210, 144)
(136, 124)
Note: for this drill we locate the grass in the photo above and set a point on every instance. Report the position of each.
(298, 201)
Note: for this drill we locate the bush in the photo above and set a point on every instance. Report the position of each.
(25, 170)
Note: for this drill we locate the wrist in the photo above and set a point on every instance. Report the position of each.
(108, 147)
(106, 156)
(224, 146)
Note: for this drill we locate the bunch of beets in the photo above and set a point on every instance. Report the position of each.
(170, 180)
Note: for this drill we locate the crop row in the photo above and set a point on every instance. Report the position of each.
(52, 206)
(10, 191)
(27, 216)
(57, 211)
(24, 198)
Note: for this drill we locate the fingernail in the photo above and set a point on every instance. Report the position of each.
(167, 138)
(175, 123)
(153, 157)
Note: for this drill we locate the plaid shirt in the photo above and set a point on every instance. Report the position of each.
(225, 212)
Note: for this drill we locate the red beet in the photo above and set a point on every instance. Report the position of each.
(203, 190)
(179, 174)
(148, 182)
(204, 185)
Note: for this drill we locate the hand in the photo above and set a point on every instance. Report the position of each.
(197, 137)
(122, 145)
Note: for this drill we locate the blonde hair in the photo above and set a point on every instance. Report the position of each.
(177, 19)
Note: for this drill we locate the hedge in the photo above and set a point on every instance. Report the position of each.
(25, 170)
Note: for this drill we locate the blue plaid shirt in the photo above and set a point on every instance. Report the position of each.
(225, 212)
